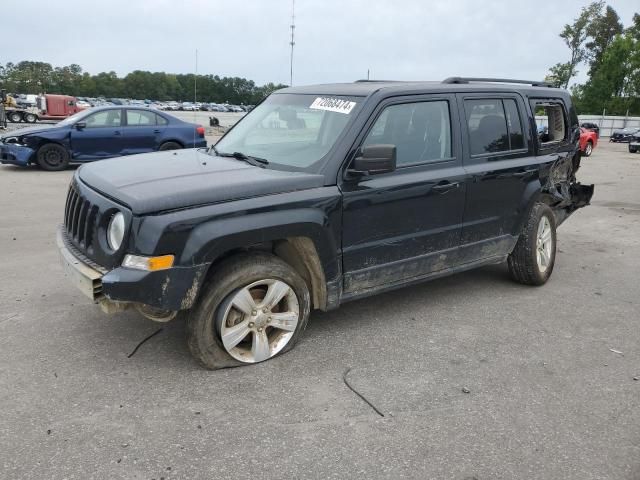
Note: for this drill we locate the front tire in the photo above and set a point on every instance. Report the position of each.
(254, 308)
(53, 157)
(588, 149)
(531, 261)
(633, 149)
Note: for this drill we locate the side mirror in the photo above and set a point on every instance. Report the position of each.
(80, 125)
(375, 159)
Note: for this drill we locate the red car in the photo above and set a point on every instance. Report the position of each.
(588, 141)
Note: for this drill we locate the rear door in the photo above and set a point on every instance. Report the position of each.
(405, 224)
(499, 158)
(143, 131)
(101, 137)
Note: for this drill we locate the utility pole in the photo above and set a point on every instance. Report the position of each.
(292, 42)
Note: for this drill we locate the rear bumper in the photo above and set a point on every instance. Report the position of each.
(172, 289)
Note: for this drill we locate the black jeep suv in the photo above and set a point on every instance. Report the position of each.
(324, 194)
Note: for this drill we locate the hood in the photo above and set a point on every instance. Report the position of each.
(173, 179)
(26, 131)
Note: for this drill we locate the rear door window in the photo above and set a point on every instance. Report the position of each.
(514, 124)
(494, 125)
(139, 118)
(487, 126)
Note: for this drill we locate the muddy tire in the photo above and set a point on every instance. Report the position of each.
(254, 307)
(170, 146)
(53, 157)
(531, 261)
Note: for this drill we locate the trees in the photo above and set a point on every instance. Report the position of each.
(602, 30)
(575, 36)
(40, 77)
(597, 37)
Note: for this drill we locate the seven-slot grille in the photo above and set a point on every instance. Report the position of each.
(79, 219)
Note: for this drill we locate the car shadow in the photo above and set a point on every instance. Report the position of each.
(169, 347)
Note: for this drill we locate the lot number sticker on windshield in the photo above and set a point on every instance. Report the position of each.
(333, 105)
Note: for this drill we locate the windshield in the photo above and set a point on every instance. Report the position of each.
(293, 131)
(74, 118)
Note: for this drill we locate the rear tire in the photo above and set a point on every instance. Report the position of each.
(531, 261)
(170, 146)
(30, 118)
(53, 157)
(632, 149)
(217, 314)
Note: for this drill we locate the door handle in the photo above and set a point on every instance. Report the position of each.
(117, 132)
(156, 131)
(445, 187)
(525, 173)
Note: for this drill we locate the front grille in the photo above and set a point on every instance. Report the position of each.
(82, 257)
(80, 219)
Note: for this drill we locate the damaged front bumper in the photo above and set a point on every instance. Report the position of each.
(172, 289)
(15, 154)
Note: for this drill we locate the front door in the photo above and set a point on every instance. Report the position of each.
(101, 136)
(405, 224)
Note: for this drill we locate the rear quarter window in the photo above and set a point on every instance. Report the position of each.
(551, 122)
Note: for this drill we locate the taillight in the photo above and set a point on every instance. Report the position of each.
(200, 131)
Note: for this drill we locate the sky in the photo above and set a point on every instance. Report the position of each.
(336, 40)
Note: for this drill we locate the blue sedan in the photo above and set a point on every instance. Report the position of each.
(99, 133)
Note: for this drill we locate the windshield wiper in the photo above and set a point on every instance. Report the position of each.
(251, 160)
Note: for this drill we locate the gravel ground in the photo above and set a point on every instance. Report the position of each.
(477, 377)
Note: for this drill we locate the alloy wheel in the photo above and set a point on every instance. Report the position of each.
(544, 244)
(258, 321)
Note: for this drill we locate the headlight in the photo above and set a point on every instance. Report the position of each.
(115, 231)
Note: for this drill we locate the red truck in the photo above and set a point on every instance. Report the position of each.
(48, 107)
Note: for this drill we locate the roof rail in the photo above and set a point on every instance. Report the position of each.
(376, 81)
(533, 83)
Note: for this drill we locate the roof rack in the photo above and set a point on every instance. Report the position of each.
(376, 81)
(533, 83)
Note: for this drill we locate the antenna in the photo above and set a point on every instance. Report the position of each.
(195, 97)
(292, 42)
(195, 86)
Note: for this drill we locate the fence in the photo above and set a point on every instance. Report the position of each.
(606, 123)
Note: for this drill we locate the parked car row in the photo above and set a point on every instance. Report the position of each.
(87, 102)
(205, 107)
